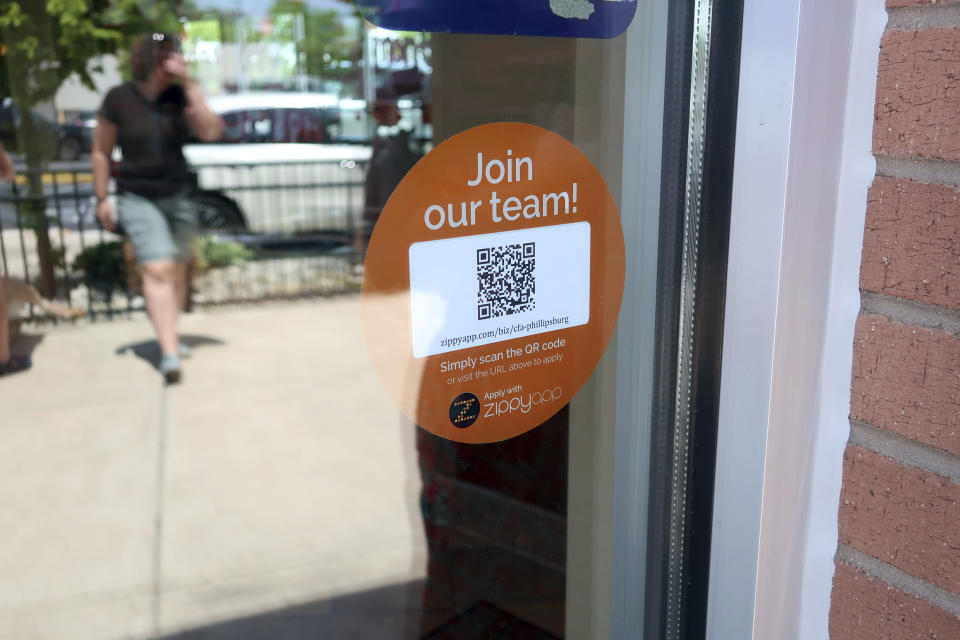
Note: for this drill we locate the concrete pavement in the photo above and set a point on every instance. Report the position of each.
(279, 474)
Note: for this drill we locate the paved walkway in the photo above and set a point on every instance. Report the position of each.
(278, 474)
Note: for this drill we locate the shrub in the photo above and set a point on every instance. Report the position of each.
(213, 253)
(102, 264)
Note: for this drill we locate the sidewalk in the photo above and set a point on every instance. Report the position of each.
(277, 474)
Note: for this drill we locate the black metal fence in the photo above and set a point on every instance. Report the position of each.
(276, 230)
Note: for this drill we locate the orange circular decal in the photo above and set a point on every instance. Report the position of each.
(493, 282)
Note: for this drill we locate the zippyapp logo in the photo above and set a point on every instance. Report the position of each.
(464, 410)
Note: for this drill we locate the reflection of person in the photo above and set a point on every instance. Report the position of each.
(150, 119)
(391, 158)
(6, 166)
(8, 362)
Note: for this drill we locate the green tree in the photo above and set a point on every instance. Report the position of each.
(331, 50)
(45, 43)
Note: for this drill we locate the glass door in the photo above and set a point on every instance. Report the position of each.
(199, 436)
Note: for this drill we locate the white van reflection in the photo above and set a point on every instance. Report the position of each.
(281, 167)
(289, 162)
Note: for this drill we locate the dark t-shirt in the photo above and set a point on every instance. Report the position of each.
(151, 136)
(390, 161)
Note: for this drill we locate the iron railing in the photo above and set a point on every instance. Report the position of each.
(279, 230)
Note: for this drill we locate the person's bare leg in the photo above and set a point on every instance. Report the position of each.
(180, 282)
(4, 329)
(160, 293)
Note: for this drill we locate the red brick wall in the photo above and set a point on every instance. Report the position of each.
(911, 241)
(898, 554)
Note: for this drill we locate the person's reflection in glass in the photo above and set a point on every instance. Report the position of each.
(392, 157)
(9, 363)
(150, 119)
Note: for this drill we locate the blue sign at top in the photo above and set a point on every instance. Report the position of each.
(565, 18)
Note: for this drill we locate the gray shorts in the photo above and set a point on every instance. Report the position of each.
(161, 229)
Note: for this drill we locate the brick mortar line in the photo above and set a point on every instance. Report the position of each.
(910, 312)
(904, 450)
(926, 591)
(924, 17)
(925, 170)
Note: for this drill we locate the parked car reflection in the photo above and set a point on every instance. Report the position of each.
(278, 167)
(289, 162)
(62, 141)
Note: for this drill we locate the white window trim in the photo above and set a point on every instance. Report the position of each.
(802, 169)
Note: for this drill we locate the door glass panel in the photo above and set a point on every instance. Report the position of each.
(269, 489)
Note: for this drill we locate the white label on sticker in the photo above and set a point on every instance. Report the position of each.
(482, 289)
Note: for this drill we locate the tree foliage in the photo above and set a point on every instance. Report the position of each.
(330, 49)
(45, 42)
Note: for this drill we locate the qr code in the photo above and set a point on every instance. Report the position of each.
(506, 280)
